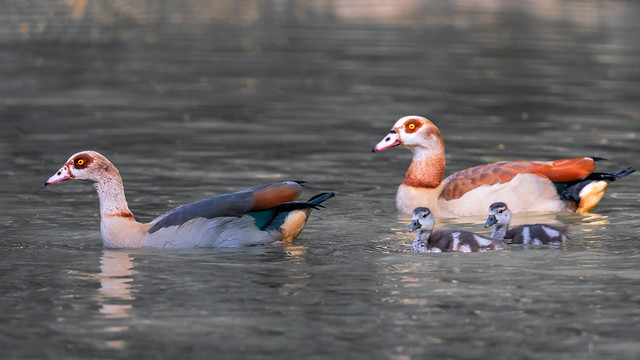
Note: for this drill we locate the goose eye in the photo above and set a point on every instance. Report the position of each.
(501, 211)
(412, 125)
(80, 162)
(424, 215)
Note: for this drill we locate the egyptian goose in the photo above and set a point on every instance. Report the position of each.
(428, 240)
(260, 215)
(549, 186)
(500, 218)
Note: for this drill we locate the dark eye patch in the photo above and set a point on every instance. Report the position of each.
(81, 161)
(412, 125)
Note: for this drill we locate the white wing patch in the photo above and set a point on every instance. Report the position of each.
(464, 248)
(482, 241)
(456, 240)
(551, 232)
(526, 235)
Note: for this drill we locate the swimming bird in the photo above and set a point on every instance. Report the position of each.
(260, 215)
(428, 240)
(548, 186)
(500, 218)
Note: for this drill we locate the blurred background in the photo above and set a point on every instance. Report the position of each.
(194, 98)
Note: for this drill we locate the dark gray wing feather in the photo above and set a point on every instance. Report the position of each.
(235, 204)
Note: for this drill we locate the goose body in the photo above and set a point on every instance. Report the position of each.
(260, 215)
(428, 240)
(546, 186)
(500, 218)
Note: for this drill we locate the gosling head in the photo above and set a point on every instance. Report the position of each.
(422, 219)
(499, 214)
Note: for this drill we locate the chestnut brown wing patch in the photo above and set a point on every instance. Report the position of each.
(466, 180)
(499, 173)
(275, 194)
(571, 169)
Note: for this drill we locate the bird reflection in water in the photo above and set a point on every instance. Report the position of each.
(116, 267)
(114, 295)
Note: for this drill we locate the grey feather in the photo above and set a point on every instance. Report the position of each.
(235, 204)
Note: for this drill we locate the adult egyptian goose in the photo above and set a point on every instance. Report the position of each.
(260, 215)
(428, 240)
(500, 218)
(549, 186)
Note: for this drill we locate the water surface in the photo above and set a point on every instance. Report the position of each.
(191, 99)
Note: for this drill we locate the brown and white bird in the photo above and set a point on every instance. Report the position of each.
(260, 215)
(428, 240)
(500, 218)
(547, 186)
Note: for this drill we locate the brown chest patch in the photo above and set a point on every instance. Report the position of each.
(425, 174)
(123, 214)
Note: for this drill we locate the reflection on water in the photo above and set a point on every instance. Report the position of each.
(116, 269)
(294, 252)
(195, 98)
(115, 283)
(114, 296)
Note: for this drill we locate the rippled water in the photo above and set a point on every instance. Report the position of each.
(191, 99)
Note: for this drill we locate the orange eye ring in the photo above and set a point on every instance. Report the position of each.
(80, 162)
(411, 126)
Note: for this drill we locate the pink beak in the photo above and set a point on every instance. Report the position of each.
(62, 175)
(392, 139)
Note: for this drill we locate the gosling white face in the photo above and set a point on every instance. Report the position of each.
(498, 214)
(422, 219)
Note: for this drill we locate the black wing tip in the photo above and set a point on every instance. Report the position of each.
(313, 203)
(622, 172)
(319, 198)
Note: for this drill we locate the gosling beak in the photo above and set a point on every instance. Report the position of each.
(392, 139)
(491, 220)
(62, 175)
(415, 225)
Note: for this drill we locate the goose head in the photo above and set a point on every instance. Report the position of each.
(86, 165)
(422, 219)
(499, 214)
(415, 133)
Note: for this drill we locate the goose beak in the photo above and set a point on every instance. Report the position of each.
(491, 220)
(392, 139)
(415, 225)
(62, 175)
